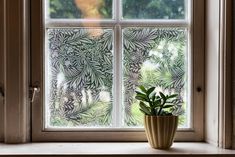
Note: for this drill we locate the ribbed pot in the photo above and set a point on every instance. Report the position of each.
(160, 130)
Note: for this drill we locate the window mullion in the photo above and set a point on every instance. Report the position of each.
(118, 10)
(51, 23)
(117, 118)
(117, 110)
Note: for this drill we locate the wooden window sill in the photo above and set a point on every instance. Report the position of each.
(111, 149)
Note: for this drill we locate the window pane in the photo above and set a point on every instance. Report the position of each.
(153, 9)
(79, 77)
(80, 9)
(154, 57)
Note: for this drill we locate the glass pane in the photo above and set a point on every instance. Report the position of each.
(154, 57)
(79, 77)
(80, 9)
(153, 9)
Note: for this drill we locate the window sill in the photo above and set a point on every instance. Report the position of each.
(110, 149)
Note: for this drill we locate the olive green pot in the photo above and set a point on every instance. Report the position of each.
(160, 130)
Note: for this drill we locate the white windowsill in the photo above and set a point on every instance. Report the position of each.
(127, 148)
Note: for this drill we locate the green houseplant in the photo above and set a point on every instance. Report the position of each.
(161, 116)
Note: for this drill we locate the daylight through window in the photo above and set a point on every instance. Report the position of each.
(97, 52)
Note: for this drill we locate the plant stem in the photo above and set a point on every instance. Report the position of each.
(151, 107)
(159, 112)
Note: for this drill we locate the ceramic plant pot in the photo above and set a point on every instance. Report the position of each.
(160, 130)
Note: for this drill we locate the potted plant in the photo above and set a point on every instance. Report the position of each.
(161, 116)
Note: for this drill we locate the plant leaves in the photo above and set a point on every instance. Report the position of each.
(141, 98)
(163, 96)
(172, 96)
(150, 90)
(165, 113)
(153, 96)
(157, 103)
(168, 106)
(142, 89)
(174, 101)
(143, 112)
(138, 92)
(144, 107)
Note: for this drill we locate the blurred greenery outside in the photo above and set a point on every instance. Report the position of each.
(99, 114)
(132, 9)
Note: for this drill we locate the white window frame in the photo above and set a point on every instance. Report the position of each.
(196, 28)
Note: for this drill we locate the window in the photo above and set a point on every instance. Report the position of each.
(91, 56)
